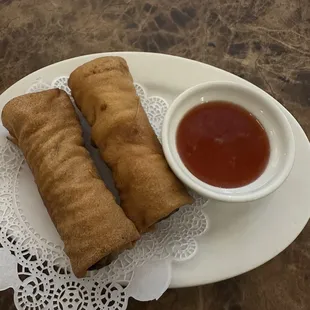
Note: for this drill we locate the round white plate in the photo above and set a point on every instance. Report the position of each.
(241, 236)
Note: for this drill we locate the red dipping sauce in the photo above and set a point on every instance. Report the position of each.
(223, 144)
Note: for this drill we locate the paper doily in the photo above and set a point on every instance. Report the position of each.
(38, 270)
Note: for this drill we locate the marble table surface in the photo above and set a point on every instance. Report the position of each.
(264, 41)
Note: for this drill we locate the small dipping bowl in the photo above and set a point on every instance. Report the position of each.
(260, 105)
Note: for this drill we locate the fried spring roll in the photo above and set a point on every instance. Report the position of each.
(103, 90)
(45, 127)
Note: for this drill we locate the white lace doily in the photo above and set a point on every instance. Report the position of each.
(32, 260)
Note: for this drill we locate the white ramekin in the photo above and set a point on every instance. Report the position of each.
(264, 108)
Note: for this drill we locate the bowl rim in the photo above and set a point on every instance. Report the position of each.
(208, 190)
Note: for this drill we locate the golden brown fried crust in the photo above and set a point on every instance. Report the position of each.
(103, 90)
(89, 221)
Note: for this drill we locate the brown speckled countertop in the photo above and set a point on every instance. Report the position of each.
(264, 41)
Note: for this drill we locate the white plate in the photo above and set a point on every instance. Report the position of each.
(241, 236)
